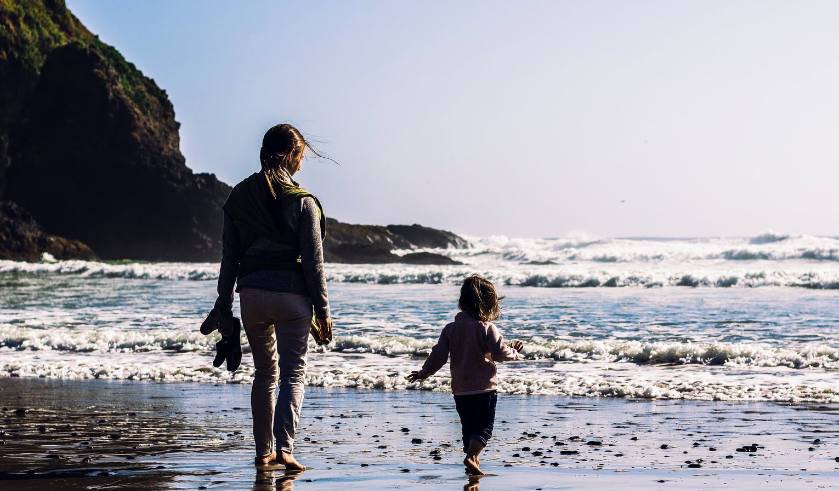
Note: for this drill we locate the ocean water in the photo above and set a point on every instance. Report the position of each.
(705, 319)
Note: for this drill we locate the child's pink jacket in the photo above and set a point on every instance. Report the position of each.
(474, 346)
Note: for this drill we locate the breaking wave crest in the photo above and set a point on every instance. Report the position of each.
(663, 353)
(768, 246)
(637, 352)
(601, 274)
(101, 340)
(127, 270)
(769, 259)
(560, 277)
(724, 371)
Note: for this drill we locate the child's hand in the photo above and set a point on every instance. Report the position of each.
(518, 346)
(414, 376)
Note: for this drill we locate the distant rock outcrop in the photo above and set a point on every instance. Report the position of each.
(22, 239)
(357, 244)
(429, 238)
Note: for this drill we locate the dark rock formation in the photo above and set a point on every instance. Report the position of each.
(427, 258)
(22, 239)
(425, 237)
(362, 236)
(358, 244)
(95, 156)
(361, 244)
(29, 30)
(90, 164)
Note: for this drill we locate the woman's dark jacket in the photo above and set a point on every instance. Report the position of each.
(297, 236)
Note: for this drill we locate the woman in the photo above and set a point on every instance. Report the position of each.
(273, 249)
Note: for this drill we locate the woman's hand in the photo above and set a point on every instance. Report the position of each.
(325, 328)
(518, 346)
(414, 376)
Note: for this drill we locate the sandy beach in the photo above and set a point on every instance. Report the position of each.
(94, 434)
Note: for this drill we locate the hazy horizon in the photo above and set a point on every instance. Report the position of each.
(543, 119)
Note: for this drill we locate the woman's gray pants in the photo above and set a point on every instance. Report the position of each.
(277, 325)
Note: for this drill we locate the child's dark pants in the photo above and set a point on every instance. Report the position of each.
(477, 415)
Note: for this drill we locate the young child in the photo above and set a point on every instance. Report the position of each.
(475, 345)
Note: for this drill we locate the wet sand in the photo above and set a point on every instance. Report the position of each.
(96, 434)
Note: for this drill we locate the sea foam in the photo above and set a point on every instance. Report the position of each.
(767, 260)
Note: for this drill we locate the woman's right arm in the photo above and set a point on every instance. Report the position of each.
(231, 254)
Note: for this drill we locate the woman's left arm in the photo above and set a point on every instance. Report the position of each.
(311, 257)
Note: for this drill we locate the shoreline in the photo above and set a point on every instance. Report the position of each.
(125, 434)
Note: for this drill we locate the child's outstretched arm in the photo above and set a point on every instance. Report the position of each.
(497, 349)
(435, 361)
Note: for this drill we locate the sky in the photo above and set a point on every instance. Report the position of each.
(525, 119)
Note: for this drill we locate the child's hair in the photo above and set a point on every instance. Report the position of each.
(479, 299)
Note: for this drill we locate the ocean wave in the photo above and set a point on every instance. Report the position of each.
(127, 270)
(123, 370)
(769, 259)
(636, 352)
(605, 275)
(102, 340)
(584, 351)
(768, 237)
(660, 382)
(560, 277)
(499, 252)
(670, 353)
(592, 385)
(768, 246)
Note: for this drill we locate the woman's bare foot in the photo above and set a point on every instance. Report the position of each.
(264, 460)
(472, 466)
(290, 462)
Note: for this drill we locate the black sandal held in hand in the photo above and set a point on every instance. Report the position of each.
(230, 346)
(210, 324)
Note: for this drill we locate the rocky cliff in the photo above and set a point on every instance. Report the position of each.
(111, 168)
(91, 145)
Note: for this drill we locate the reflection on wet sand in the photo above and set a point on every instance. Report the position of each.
(472, 485)
(273, 480)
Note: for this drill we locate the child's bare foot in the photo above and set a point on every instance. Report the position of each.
(264, 460)
(290, 462)
(472, 466)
